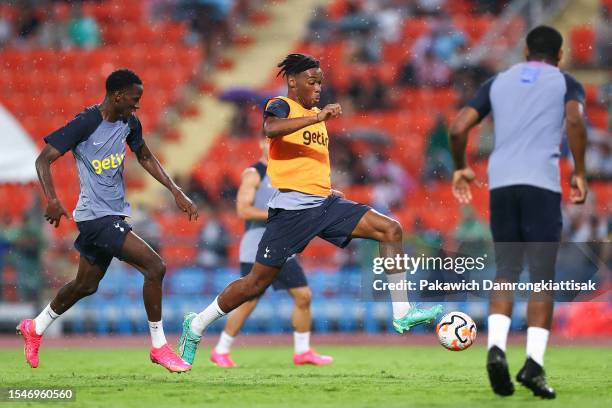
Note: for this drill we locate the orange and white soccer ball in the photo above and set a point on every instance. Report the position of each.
(456, 331)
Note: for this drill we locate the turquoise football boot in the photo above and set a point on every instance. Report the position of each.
(188, 343)
(416, 316)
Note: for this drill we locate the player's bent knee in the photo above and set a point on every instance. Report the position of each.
(157, 271)
(303, 298)
(258, 286)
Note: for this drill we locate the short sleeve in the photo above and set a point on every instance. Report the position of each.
(482, 100)
(278, 108)
(135, 139)
(76, 131)
(574, 89)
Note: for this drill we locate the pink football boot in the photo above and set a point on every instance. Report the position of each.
(27, 328)
(165, 357)
(311, 357)
(222, 360)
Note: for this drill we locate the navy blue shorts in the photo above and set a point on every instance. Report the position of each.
(289, 231)
(525, 220)
(290, 276)
(102, 239)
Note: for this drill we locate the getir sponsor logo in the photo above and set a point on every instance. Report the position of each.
(111, 162)
(314, 138)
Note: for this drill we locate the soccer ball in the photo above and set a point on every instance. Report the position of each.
(456, 331)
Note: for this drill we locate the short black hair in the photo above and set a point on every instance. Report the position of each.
(295, 63)
(121, 79)
(544, 41)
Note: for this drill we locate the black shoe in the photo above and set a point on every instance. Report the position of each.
(499, 376)
(533, 377)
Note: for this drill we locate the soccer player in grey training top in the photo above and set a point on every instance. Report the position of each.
(97, 138)
(530, 103)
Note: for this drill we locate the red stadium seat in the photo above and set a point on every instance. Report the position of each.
(337, 9)
(582, 41)
(603, 196)
(592, 95)
(360, 194)
(413, 28)
(475, 27)
(458, 7)
(599, 117)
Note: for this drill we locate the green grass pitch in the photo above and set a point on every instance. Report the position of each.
(368, 376)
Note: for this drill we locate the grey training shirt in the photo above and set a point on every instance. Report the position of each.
(528, 106)
(98, 147)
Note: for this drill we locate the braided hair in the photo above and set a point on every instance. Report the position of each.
(295, 63)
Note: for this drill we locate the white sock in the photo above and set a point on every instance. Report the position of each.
(537, 338)
(301, 342)
(157, 334)
(206, 317)
(399, 298)
(44, 319)
(225, 343)
(499, 325)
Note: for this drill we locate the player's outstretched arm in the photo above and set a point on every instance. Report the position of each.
(577, 136)
(246, 197)
(274, 126)
(150, 163)
(55, 210)
(458, 135)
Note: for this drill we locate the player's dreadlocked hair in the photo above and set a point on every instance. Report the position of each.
(295, 63)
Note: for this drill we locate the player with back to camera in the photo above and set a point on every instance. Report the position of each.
(530, 103)
(251, 204)
(97, 138)
(305, 206)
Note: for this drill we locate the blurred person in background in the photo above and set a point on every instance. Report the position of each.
(83, 30)
(603, 37)
(472, 235)
(28, 242)
(320, 28)
(53, 31)
(214, 243)
(438, 160)
(431, 72)
(27, 25)
(6, 29)
(147, 227)
(605, 96)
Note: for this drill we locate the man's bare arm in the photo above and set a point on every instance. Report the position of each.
(274, 127)
(577, 137)
(55, 210)
(458, 133)
(246, 197)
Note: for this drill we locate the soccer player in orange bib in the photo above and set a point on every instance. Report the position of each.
(305, 206)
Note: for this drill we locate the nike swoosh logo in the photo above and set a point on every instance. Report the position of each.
(96, 144)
